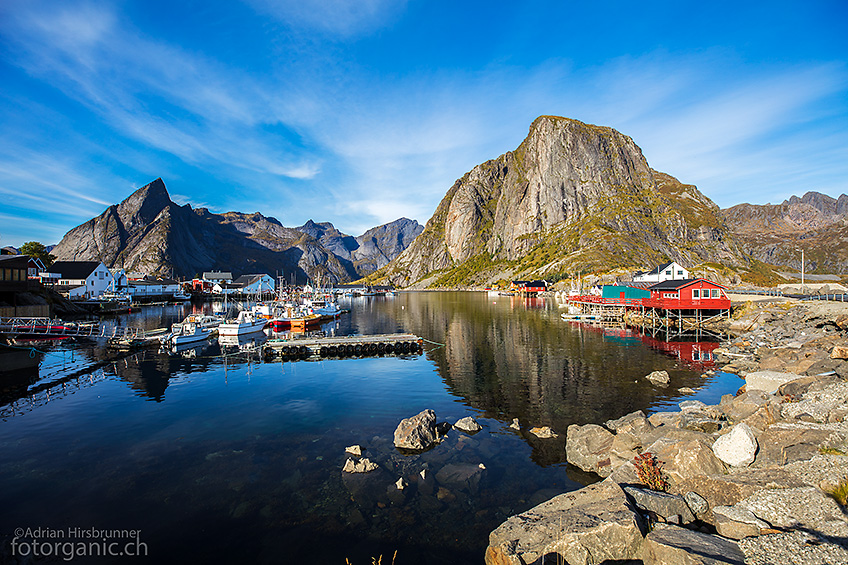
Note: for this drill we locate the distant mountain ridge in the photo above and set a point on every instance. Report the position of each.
(149, 233)
(776, 233)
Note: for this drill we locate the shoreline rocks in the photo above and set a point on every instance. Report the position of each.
(745, 477)
(417, 432)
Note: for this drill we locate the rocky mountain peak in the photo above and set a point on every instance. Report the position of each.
(571, 196)
(145, 204)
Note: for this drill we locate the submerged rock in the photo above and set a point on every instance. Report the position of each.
(545, 432)
(461, 476)
(363, 465)
(354, 450)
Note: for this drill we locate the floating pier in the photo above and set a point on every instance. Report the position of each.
(347, 346)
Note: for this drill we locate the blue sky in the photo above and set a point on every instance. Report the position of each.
(361, 112)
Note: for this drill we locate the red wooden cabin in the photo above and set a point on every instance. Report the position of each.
(688, 294)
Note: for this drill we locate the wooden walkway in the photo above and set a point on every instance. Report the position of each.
(346, 346)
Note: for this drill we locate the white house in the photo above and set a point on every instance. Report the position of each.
(255, 284)
(88, 279)
(672, 271)
(152, 287)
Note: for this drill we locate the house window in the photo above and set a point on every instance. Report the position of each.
(668, 272)
(680, 273)
(696, 293)
(100, 274)
(716, 293)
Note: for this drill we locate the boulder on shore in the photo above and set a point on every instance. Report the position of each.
(738, 447)
(418, 432)
(591, 525)
(588, 447)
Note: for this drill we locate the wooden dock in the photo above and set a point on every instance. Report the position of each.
(346, 346)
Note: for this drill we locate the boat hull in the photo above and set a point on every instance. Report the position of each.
(241, 329)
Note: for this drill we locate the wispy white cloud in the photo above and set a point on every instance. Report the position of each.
(344, 18)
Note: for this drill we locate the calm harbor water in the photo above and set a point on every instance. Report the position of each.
(215, 456)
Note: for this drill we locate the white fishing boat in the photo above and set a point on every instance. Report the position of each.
(187, 333)
(247, 322)
(202, 320)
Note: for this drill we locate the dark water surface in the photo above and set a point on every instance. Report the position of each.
(215, 456)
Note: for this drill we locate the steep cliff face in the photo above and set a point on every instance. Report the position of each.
(148, 233)
(776, 233)
(571, 196)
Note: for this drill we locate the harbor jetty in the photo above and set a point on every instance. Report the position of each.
(760, 477)
(343, 346)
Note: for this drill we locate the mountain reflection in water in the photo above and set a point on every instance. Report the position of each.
(217, 456)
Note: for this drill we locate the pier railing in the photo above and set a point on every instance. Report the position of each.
(53, 328)
(46, 327)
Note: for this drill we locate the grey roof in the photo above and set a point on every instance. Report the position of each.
(74, 269)
(248, 279)
(11, 261)
(218, 275)
(152, 282)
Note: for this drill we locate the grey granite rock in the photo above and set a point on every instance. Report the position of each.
(591, 525)
(672, 545)
(672, 507)
(736, 522)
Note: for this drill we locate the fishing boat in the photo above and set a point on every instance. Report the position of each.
(202, 320)
(190, 332)
(327, 309)
(307, 321)
(246, 322)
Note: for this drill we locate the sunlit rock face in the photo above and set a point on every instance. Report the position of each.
(572, 195)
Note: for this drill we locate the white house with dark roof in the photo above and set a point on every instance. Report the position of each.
(672, 271)
(84, 279)
(255, 284)
(152, 287)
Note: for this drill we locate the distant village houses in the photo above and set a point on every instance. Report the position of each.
(259, 283)
(81, 279)
(528, 286)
